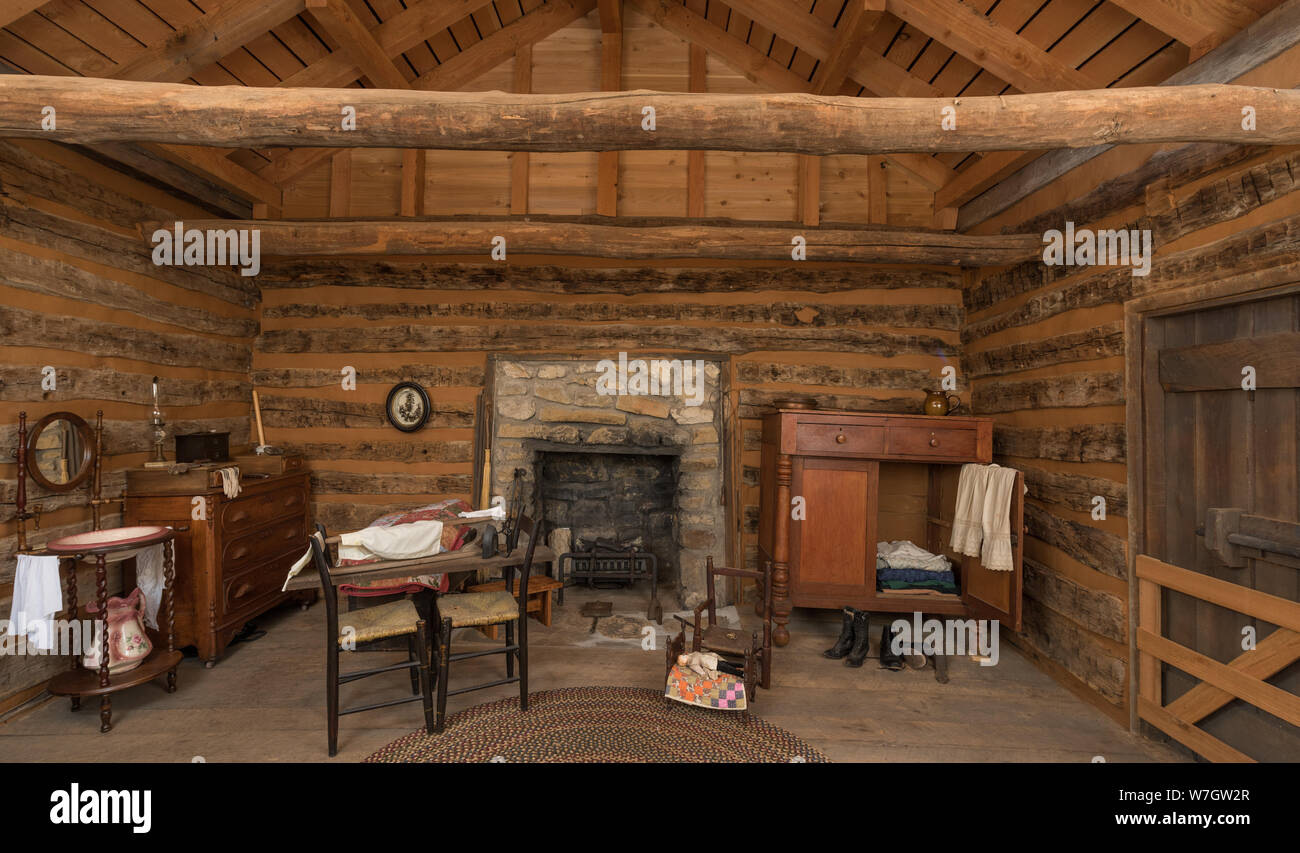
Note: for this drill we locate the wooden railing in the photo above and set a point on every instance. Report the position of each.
(1243, 678)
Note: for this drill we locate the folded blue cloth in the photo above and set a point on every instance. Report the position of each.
(914, 575)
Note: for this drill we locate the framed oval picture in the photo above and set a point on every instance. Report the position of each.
(407, 406)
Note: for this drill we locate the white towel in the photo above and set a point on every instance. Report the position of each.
(38, 596)
(399, 542)
(996, 552)
(302, 562)
(968, 523)
(149, 577)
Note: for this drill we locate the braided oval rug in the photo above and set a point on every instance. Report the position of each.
(599, 724)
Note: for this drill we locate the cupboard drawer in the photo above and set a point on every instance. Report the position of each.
(252, 586)
(262, 545)
(938, 442)
(839, 438)
(243, 514)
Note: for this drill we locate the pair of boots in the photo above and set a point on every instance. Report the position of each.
(854, 641)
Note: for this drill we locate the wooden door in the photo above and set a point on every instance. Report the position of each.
(1207, 442)
(833, 548)
(992, 594)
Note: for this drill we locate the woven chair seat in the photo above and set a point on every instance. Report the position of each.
(471, 609)
(375, 623)
(727, 641)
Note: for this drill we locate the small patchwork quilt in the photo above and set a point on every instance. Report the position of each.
(724, 693)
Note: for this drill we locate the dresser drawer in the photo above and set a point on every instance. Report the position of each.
(252, 586)
(839, 438)
(937, 442)
(247, 513)
(261, 545)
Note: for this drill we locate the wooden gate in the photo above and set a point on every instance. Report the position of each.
(1242, 678)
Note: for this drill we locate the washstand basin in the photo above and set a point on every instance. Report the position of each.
(95, 540)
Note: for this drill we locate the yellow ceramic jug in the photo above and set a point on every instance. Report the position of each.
(939, 403)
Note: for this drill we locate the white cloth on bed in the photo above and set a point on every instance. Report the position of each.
(399, 542)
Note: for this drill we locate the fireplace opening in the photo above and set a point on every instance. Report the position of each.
(613, 501)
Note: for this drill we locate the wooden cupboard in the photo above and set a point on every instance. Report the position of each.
(833, 484)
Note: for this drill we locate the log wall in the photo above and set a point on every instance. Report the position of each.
(867, 338)
(79, 293)
(1044, 351)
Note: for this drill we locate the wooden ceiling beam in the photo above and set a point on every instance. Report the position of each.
(633, 239)
(764, 71)
(993, 47)
(1265, 39)
(94, 110)
(208, 38)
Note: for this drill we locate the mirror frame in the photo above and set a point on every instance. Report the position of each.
(87, 455)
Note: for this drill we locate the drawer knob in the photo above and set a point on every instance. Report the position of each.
(934, 442)
(841, 438)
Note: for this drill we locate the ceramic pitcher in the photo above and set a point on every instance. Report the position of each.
(939, 403)
(128, 644)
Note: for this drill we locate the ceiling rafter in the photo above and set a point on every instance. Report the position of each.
(764, 71)
(993, 47)
(12, 10)
(1199, 36)
(456, 71)
(207, 39)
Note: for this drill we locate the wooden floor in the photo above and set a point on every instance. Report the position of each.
(265, 700)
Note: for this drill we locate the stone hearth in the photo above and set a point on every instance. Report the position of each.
(655, 457)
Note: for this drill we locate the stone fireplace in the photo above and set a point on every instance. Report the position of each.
(632, 461)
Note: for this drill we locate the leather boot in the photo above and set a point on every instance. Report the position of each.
(845, 642)
(861, 642)
(889, 660)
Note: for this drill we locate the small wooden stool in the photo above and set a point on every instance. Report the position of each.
(540, 589)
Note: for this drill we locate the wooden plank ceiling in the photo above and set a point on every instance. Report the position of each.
(864, 48)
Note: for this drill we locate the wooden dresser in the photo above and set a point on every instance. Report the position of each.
(233, 559)
(865, 478)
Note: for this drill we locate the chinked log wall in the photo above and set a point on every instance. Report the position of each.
(1044, 350)
(80, 293)
(865, 338)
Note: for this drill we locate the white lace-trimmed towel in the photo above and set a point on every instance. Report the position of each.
(968, 523)
(399, 542)
(37, 597)
(149, 577)
(996, 551)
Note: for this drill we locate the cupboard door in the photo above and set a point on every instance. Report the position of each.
(833, 547)
(996, 594)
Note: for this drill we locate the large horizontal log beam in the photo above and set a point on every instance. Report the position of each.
(315, 238)
(94, 110)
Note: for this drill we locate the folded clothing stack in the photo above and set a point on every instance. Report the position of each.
(901, 565)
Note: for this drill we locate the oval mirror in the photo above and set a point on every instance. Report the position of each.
(60, 451)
